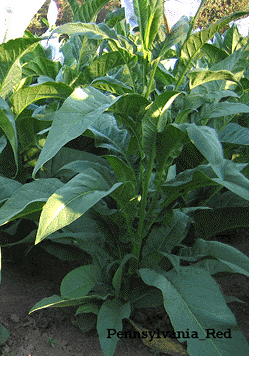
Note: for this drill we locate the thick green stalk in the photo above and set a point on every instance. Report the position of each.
(145, 188)
(148, 92)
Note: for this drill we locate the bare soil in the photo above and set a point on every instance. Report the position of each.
(54, 331)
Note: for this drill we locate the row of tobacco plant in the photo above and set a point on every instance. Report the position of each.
(114, 159)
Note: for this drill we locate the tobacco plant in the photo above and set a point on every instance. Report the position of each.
(130, 157)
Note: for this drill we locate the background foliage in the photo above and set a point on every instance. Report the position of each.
(212, 11)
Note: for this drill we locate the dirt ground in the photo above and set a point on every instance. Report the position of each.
(54, 332)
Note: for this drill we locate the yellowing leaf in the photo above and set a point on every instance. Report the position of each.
(164, 345)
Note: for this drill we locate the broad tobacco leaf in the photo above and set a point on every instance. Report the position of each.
(10, 69)
(28, 199)
(224, 253)
(195, 303)
(162, 344)
(80, 281)
(27, 95)
(196, 41)
(154, 122)
(86, 12)
(79, 111)
(7, 188)
(73, 199)
(110, 317)
(7, 124)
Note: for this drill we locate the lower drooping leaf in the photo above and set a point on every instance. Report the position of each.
(210, 223)
(57, 301)
(7, 124)
(194, 303)
(79, 282)
(233, 179)
(110, 318)
(7, 188)
(28, 199)
(234, 134)
(161, 344)
(219, 251)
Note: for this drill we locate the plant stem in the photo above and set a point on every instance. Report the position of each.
(152, 78)
(145, 188)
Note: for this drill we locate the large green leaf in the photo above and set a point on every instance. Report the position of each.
(107, 135)
(207, 142)
(125, 194)
(79, 111)
(186, 181)
(110, 317)
(211, 110)
(41, 66)
(215, 54)
(7, 124)
(7, 188)
(194, 302)
(88, 11)
(74, 199)
(232, 39)
(114, 17)
(130, 105)
(141, 11)
(53, 168)
(27, 95)
(226, 253)
(165, 237)
(178, 34)
(111, 85)
(10, 69)
(154, 122)
(234, 180)
(149, 14)
(117, 278)
(210, 223)
(228, 64)
(57, 301)
(168, 147)
(122, 170)
(91, 161)
(74, 6)
(99, 67)
(28, 199)
(194, 43)
(234, 134)
(198, 77)
(80, 281)
(91, 30)
(202, 176)
(72, 244)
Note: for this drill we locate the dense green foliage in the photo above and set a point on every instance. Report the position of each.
(112, 155)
